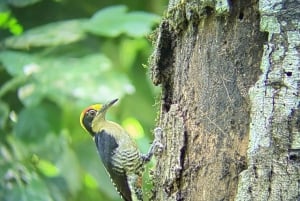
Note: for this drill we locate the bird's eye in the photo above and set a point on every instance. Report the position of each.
(92, 113)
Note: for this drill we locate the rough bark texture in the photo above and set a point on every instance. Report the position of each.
(209, 55)
(273, 171)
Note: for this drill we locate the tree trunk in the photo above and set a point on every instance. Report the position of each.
(229, 72)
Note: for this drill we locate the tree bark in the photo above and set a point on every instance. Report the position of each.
(229, 72)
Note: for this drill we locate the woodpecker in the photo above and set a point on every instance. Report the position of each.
(118, 152)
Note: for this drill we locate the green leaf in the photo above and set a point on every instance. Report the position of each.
(47, 168)
(80, 79)
(15, 62)
(88, 78)
(108, 21)
(4, 17)
(34, 123)
(53, 34)
(139, 23)
(7, 21)
(22, 3)
(114, 20)
(35, 190)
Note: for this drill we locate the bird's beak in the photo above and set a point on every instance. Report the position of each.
(108, 105)
(112, 102)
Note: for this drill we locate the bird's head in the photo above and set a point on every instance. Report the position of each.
(92, 113)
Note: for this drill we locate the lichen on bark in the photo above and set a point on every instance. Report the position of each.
(273, 154)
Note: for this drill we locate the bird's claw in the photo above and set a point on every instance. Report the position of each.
(156, 146)
(157, 143)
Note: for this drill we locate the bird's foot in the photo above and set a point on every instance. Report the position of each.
(156, 146)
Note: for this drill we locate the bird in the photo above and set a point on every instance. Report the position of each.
(118, 151)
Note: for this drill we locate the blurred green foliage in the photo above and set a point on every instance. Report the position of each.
(56, 58)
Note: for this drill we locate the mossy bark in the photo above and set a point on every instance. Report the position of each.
(210, 60)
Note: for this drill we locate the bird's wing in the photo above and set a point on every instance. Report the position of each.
(107, 146)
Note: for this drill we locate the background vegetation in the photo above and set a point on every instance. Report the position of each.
(56, 58)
